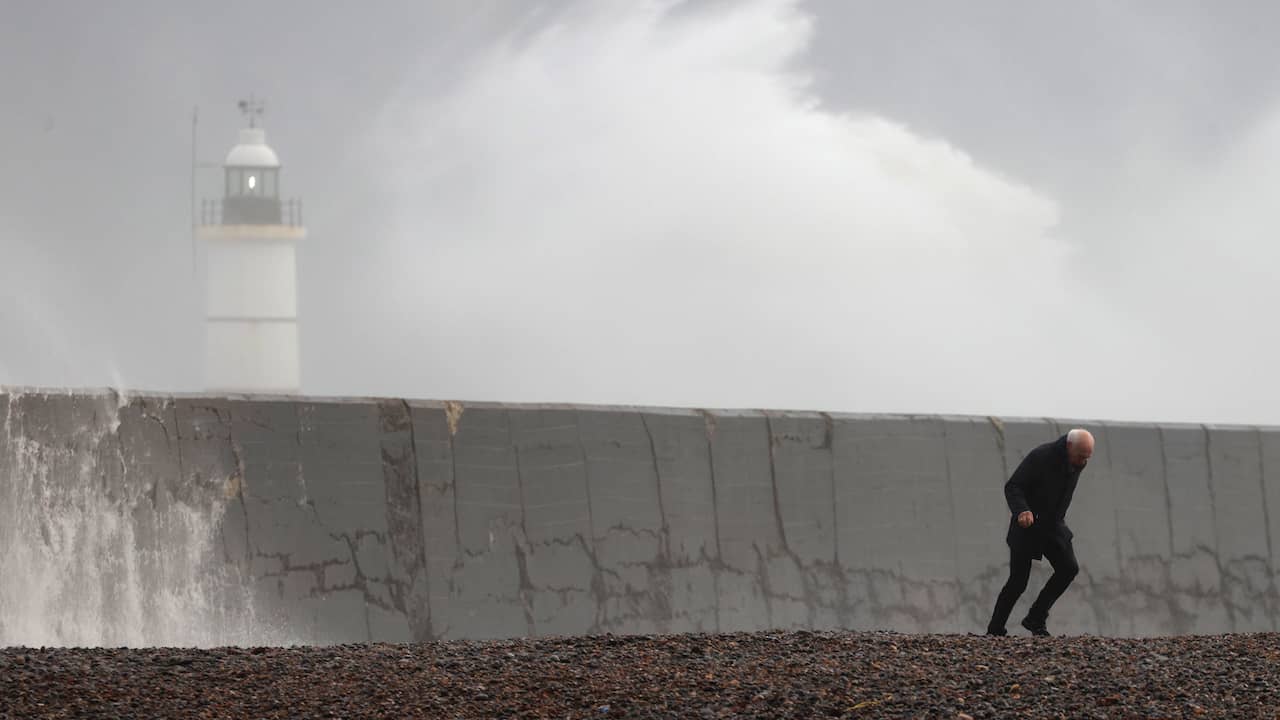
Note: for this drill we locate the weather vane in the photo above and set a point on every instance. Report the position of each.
(252, 108)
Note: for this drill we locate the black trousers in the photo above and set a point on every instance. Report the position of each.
(1063, 559)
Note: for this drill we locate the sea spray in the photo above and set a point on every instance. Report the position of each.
(105, 538)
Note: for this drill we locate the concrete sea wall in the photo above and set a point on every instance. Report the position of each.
(322, 521)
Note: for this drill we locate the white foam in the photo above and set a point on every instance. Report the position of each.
(96, 555)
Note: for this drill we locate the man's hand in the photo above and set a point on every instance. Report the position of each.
(1025, 519)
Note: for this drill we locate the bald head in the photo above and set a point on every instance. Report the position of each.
(1079, 446)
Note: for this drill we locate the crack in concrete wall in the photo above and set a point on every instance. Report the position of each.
(349, 521)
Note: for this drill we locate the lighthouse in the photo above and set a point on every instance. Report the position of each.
(250, 238)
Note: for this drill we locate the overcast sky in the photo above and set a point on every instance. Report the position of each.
(1001, 207)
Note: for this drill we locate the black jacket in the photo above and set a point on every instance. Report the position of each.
(1043, 483)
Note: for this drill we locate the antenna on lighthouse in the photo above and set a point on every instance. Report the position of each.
(252, 109)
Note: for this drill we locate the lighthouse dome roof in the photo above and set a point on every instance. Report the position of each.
(252, 151)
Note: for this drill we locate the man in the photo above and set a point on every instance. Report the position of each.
(1038, 494)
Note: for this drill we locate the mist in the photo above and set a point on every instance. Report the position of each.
(677, 204)
(681, 221)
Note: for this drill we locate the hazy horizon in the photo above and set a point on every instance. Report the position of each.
(995, 209)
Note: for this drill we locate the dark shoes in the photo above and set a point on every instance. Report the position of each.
(1037, 628)
(999, 632)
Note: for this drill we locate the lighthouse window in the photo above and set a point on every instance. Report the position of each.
(236, 182)
(253, 181)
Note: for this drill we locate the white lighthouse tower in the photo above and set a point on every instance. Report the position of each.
(250, 239)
